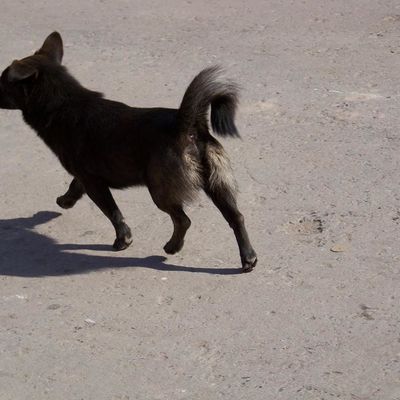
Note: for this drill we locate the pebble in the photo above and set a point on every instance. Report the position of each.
(338, 248)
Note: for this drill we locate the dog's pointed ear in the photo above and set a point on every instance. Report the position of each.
(53, 47)
(20, 70)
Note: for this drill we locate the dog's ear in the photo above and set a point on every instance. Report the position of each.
(53, 47)
(20, 70)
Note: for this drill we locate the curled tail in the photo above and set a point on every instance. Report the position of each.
(207, 89)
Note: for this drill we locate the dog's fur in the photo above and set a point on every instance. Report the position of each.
(106, 144)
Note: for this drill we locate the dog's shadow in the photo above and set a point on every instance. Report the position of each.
(27, 253)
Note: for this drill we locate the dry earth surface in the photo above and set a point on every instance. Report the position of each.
(318, 169)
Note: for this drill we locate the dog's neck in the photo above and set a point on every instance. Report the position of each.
(55, 101)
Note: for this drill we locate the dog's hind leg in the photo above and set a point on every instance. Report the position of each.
(180, 220)
(181, 224)
(220, 186)
(99, 192)
(73, 194)
(174, 180)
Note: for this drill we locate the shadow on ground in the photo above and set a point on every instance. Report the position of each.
(26, 253)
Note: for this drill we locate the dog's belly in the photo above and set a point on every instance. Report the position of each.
(123, 181)
(121, 172)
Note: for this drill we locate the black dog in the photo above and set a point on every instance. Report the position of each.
(106, 144)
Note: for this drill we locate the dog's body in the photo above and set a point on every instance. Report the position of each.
(106, 144)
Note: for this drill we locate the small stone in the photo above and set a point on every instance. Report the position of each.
(338, 248)
(90, 321)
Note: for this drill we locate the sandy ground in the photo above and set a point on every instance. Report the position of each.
(318, 169)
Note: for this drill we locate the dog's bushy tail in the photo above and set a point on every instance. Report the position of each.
(207, 89)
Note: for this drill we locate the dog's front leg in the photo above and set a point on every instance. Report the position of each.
(99, 192)
(73, 194)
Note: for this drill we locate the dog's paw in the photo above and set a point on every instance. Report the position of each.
(65, 202)
(122, 243)
(173, 247)
(249, 262)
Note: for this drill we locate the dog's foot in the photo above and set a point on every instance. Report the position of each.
(65, 202)
(122, 243)
(173, 247)
(249, 262)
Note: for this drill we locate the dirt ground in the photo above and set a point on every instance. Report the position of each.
(318, 169)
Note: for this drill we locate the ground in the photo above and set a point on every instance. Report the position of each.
(318, 168)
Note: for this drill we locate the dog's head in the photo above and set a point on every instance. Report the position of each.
(19, 80)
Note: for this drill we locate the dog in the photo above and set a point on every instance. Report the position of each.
(106, 144)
